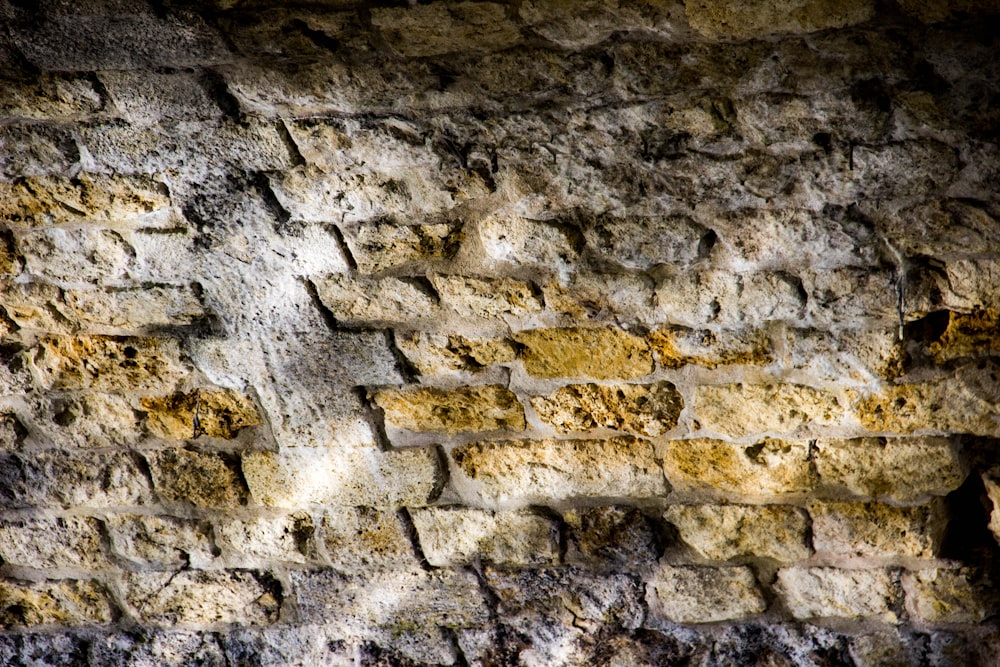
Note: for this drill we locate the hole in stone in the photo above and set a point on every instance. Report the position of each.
(967, 537)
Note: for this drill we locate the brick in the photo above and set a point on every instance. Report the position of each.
(201, 597)
(464, 410)
(287, 538)
(638, 409)
(905, 469)
(739, 410)
(219, 413)
(729, 19)
(613, 535)
(949, 596)
(520, 472)
(53, 602)
(486, 297)
(601, 354)
(114, 200)
(380, 245)
(78, 479)
(725, 532)
(362, 539)
(161, 541)
(106, 363)
(429, 30)
(301, 476)
(766, 468)
(203, 479)
(392, 599)
(824, 592)
(684, 594)
(440, 354)
(876, 529)
(676, 347)
(372, 301)
(52, 543)
(458, 536)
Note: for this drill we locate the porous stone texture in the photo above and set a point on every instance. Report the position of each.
(489, 333)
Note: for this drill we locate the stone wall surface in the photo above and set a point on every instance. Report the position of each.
(606, 332)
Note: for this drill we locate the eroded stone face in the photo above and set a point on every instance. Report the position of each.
(217, 414)
(52, 543)
(108, 363)
(740, 410)
(821, 592)
(228, 596)
(876, 529)
(454, 536)
(469, 409)
(768, 467)
(727, 19)
(53, 602)
(601, 354)
(704, 594)
(649, 410)
(725, 532)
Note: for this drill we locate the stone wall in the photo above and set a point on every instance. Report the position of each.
(608, 332)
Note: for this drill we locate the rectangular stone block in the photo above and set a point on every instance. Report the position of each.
(601, 354)
(135, 310)
(52, 543)
(876, 529)
(649, 410)
(204, 479)
(766, 468)
(522, 472)
(362, 539)
(30, 149)
(961, 595)
(513, 242)
(857, 354)
(79, 479)
(391, 599)
(852, 294)
(600, 297)
(53, 602)
(905, 469)
(729, 299)
(381, 245)
(158, 541)
(611, 535)
(826, 592)
(486, 297)
(204, 597)
(75, 255)
(676, 347)
(686, 594)
(444, 354)
(463, 410)
(88, 421)
(147, 97)
(373, 301)
(216, 413)
(430, 30)
(106, 363)
(971, 284)
(298, 477)
(457, 536)
(740, 410)
(724, 532)
(285, 538)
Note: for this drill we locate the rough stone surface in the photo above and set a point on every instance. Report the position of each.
(768, 467)
(456, 536)
(739, 410)
(53, 602)
(602, 354)
(53, 543)
(876, 529)
(286, 538)
(725, 532)
(217, 414)
(639, 409)
(161, 541)
(108, 364)
(439, 354)
(728, 19)
(949, 596)
(616, 535)
(365, 538)
(820, 592)
(703, 594)
(470, 409)
(226, 596)
(678, 346)
(201, 478)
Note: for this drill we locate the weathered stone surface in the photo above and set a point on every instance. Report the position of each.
(106, 363)
(602, 354)
(48, 543)
(456, 536)
(724, 532)
(53, 602)
(768, 467)
(726, 19)
(215, 413)
(297, 645)
(296, 477)
(939, 227)
(376, 300)
(854, 354)
(36, 150)
(287, 538)
(739, 410)
(876, 529)
(901, 468)
(966, 335)
(888, 649)
(519, 472)
(115, 200)
(153, 647)
(601, 297)
(204, 479)
(75, 255)
(63, 479)
(949, 596)
(437, 354)
(906, 168)
(49, 97)
(391, 599)
(362, 539)
(639, 409)
(513, 241)
(381, 246)
(486, 297)
(134, 310)
(991, 482)
(44, 650)
(845, 294)
(12, 432)
(224, 596)
(704, 594)
(146, 98)
(436, 29)
(724, 298)
(644, 242)
(161, 541)
(676, 347)
(90, 421)
(469, 409)
(970, 284)
(821, 592)
(591, 22)
(613, 535)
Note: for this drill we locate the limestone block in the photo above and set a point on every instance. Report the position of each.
(36, 150)
(876, 529)
(486, 297)
(135, 310)
(77, 255)
(904, 169)
(110, 200)
(89, 421)
(738, 410)
(902, 468)
(430, 30)
(964, 402)
(147, 98)
(970, 284)
(156, 647)
(106, 363)
(768, 467)
(885, 649)
(616, 535)
(204, 479)
(731, 19)
(966, 335)
(949, 596)
(78, 479)
(856, 354)
(694, 298)
(576, 25)
(376, 300)
(457, 536)
(391, 599)
(850, 293)
(67, 97)
(300, 476)
(675, 347)
(362, 539)
(36, 306)
(939, 227)
(161, 541)
(381, 246)
(642, 243)
(638, 409)
(203, 597)
(724, 532)
(684, 594)
(52, 543)
(42, 650)
(823, 592)
(287, 537)
(601, 297)
(601, 354)
(467, 409)
(53, 602)
(289, 644)
(439, 354)
(510, 239)
(215, 413)
(520, 472)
